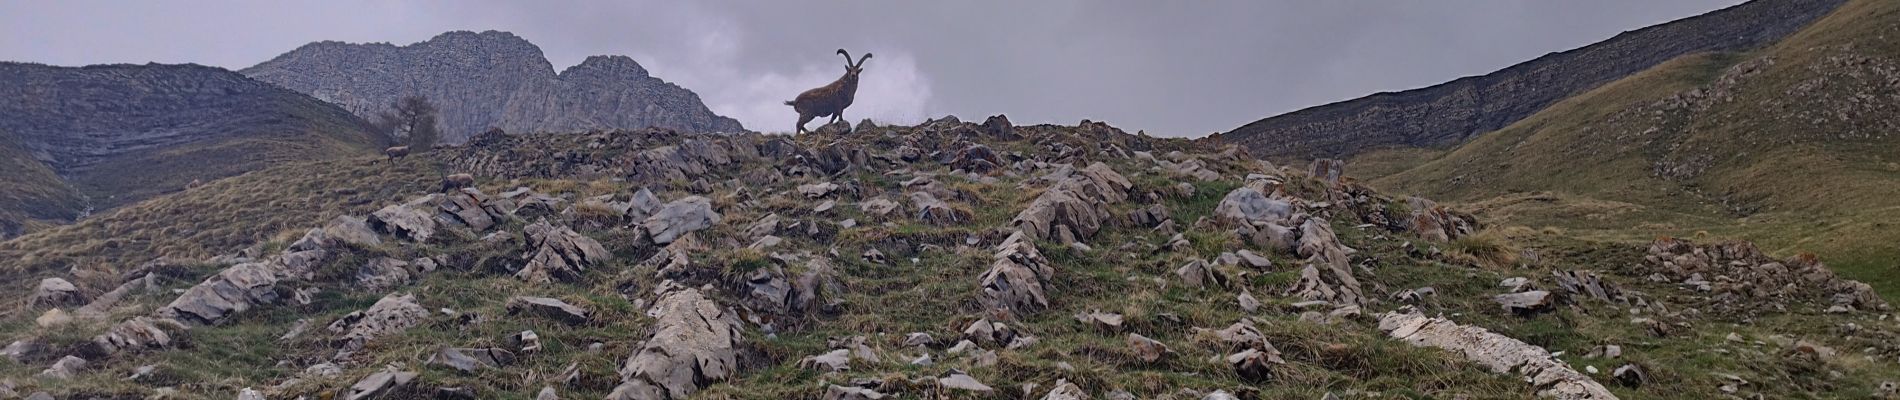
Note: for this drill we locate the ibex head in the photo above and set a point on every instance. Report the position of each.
(851, 70)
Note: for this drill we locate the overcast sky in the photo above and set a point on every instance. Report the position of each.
(1171, 68)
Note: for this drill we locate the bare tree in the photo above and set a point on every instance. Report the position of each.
(411, 120)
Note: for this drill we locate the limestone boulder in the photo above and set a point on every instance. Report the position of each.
(550, 308)
(392, 314)
(694, 344)
(559, 253)
(1502, 354)
(56, 292)
(1018, 278)
(680, 217)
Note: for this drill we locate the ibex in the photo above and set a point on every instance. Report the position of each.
(396, 152)
(829, 100)
(457, 181)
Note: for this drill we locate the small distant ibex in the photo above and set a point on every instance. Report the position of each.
(829, 100)
(396, 152)
(457, 181)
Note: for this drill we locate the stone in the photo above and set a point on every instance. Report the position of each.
(66, 368)
(233, 290)
(833, 361)
(382, 273)
(469, 360)
(250, 394)
(1246, 205)
(1241, 334)
(694, 344)
(1524, 303)
(1018, 279)
(936, 212)
(1254, 260)
(919, 339)
(21, 349)
(527, 341)
(559, 253)
(56, 292)
(53, 318)
(1064, 390)
(1105, 322)
(549, 308)
(1502, 354)
(1587, 284)
(1328, 170)
(976, 158)
(680, 217)
(351, 230)
(137, 333)
(1255, 364)
(411, 221)
(547, 393)
(986, 331)
(393, 313)
(1073, 208)
(958, 380)
(817, 190)
(1515, 284)
(377, 384)
(878, 206)
(1197, 274)
(835, 392)
(1145, 349)
(1631, 375)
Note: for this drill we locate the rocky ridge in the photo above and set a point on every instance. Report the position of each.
(487, 80)
(1447, 114)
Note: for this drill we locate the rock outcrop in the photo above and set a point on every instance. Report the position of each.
(694, 344)
(392, 314)
(559, 252)
(1019, 277)
(1501, 353)
(491, 79)
(1738, 277)
(680, 217)
(1074, 206)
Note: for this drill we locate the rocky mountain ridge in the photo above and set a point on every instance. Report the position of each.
(491, 79)
(1449, 113)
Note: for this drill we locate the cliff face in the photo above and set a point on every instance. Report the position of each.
(1449, 113)
(490, 80)
(118, 133)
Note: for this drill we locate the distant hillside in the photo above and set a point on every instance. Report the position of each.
(1796, 146)
(121, 133)
(1449, 113)
(491, 79)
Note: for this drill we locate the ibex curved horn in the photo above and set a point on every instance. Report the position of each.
(847, 57)
(861, 59)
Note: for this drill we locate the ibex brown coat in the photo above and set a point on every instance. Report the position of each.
(829, 100)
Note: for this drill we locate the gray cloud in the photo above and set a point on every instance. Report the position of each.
(1171, 68)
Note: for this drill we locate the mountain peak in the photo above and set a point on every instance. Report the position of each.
(613, 64)
(491, 79)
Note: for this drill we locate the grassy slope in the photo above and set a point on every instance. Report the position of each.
(221, 217)
(1802, 159)
(936, 294)
(33, 192)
